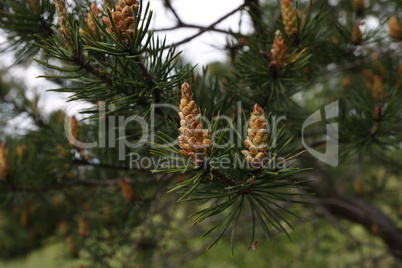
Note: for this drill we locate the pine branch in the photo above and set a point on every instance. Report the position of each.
(355, 209)
(85, 64)
(193, 26)
(226, 180)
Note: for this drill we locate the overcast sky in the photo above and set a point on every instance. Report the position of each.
(204, 48)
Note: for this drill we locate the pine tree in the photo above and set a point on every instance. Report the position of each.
(229, 145)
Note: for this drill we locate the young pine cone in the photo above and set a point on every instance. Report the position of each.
(194, 140)
(83, 227)
(127, 191)
(289, 18)
(375, 85)
(63, 17)
(377, 89)
(395, 29)
(123, 18)
(4, 167)
(256, 141)
(89, 21)
(357, 36)
(279, 48)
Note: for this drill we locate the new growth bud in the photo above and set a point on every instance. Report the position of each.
(127, 190)
(83, 227)
(375, 85)
(395, 29)
(4, 167)
(357, 36)
(278, 52)
(63, 17)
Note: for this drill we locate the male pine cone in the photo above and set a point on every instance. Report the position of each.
(289, 18)
(395, 29)
(4, 167)
(257, 137)
(278, 52)
(89, 20)
(123, 18)
(194, 140)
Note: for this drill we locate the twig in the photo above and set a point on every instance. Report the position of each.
(170, 7)
(208, 28)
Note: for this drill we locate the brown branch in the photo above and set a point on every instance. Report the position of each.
(86, 65)
(208, 28)
(170, 7)
(354, 209)
(193, 26)
(225, 179)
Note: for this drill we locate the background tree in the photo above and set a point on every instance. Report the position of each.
(109, 212)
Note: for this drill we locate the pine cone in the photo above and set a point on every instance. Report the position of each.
(4, 167)
(375, 85)
(279, 48)
(83, 227)
(377, 89)
(357, 36)
(123, 18)
(256, 139)
(89, 21)
(127, 190)
(395, 30)
(194, 139)
(63, 17)
(289, 18)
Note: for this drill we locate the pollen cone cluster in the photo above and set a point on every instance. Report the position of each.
(83, 227)
(289, 17)
(90, 22)
(375, 85)
(194, 140)
(279, 48)
(4, 167)
(357, 36)
(127, 191)
(257, 136)
(395, 29)
(123, 18)
(63, 17)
